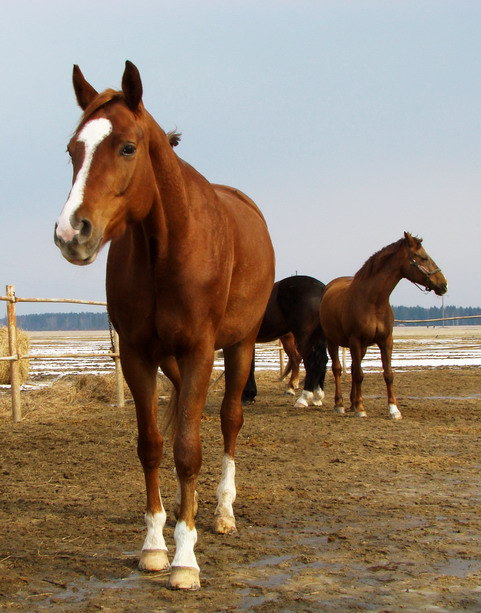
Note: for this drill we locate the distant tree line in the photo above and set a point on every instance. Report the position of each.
(418, 312)
(99, 321)
(62, 321)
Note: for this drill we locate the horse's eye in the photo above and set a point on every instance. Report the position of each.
(128, 150)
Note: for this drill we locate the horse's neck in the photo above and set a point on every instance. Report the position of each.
(173, 220)
(377, 288)
(169, 210)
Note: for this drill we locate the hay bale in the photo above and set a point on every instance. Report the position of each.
(23, 341)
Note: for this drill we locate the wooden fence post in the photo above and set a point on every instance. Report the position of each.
(119, 378)
(13, 349)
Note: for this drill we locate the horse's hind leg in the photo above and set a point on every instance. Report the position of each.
(336, 371)
(386, 353)
(293, 365)
(313, 351)
(295, 370)
(249, 392)
(141, 375)
(237, 363)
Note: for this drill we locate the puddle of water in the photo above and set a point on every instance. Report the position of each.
(249, 602)
(459, 567)
(271, 561)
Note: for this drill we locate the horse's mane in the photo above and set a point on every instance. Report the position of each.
(377, 260)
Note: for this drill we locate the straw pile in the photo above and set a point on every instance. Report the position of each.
(23, 348)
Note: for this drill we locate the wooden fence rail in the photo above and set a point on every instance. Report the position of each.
(15, 357)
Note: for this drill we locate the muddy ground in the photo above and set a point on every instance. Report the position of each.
(333, 513)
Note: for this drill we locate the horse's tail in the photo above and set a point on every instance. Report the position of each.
(169, 419)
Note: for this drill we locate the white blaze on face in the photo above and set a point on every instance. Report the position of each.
(92, 134)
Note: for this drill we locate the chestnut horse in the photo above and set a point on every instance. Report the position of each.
(294, 307)
(355, 312)
(190, 269)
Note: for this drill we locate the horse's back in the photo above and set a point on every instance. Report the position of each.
(335, 293)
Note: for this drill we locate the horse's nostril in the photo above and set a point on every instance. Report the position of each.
(85, 229)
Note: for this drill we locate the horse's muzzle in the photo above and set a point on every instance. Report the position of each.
(82, 248)
(441, 289)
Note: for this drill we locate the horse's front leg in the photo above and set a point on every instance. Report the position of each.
(336, 371)
(195, 369)
(358, 351)
(141, 377)
(237, 363)
(386, 353)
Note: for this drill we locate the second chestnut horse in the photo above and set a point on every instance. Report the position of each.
(355, 313)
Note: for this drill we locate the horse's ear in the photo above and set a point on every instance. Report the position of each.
(174, 138)
(84, 92)
(132, 86)
(412, 241)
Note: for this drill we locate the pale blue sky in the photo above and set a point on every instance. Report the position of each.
(348, 122)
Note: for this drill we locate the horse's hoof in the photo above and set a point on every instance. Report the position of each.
(184, 578)
(290, 392)
(361, 414)
(301, 403)
(224, 524)
(396, 416)
(341, 410)
(154, 560)
(394, 412)
(317, 403)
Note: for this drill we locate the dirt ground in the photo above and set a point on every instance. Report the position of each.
(333, 513)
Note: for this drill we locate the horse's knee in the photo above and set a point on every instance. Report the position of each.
(149, 450)
(188, 458)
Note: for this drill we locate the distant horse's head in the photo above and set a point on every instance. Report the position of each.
(113, 182)
(420, 268)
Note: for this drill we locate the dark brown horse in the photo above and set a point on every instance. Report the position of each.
(355, 312)
(294, 307)
(190, 270)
